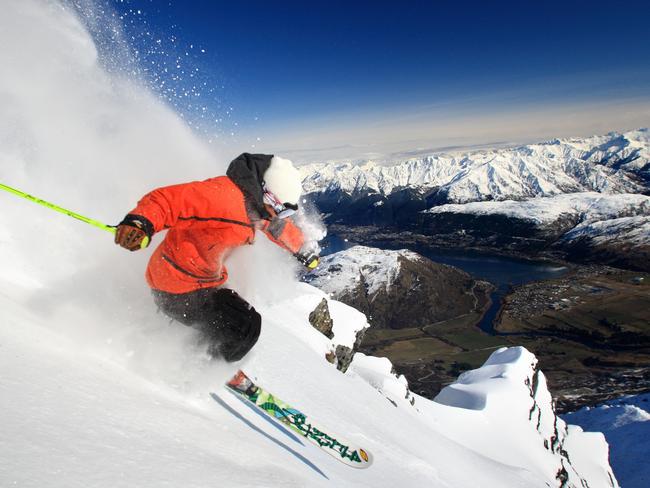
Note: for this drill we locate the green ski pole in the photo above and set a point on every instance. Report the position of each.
(69, 213)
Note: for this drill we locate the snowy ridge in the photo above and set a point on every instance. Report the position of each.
(626, 425)
(344, 270)
(510, 381)
(596, 219)
(378, 373)
(583, 207)
(611, 163)
(631, 231)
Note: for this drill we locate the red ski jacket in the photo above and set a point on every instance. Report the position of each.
(205, 221)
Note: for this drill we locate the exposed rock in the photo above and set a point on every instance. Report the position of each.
(340, 355)
(344, 357)
(321, 320)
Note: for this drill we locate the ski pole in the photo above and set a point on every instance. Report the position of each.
(69, 213)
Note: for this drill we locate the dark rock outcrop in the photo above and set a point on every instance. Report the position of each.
(344, 356)
(321, 320)
(340, 355)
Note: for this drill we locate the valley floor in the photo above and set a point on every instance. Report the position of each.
(590, 330)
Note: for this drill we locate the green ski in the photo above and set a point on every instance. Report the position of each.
(299, 423)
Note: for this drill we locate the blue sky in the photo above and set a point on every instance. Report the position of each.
(314, 73)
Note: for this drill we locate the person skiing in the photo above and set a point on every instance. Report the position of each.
(206, 220)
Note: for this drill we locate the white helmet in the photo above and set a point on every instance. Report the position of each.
(283, 180)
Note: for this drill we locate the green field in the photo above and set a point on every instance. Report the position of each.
(590, 332)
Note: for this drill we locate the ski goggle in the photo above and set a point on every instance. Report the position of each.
(282, 210)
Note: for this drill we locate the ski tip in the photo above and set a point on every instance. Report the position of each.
(361, 459)
(365, 456)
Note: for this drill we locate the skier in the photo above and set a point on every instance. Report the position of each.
(206, 220)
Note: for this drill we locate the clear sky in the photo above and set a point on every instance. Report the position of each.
(363, 79)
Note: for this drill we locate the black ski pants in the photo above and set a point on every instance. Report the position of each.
(228, 323)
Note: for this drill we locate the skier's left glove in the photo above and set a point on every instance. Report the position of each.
(309, 260)
(134, 232)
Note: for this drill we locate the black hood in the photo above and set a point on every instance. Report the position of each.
(247, 172)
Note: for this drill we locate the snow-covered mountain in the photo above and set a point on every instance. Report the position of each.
(584, 208)
(628, 231)
(398, 289)
(98, 389)
(626, 425)
(611, 163)
(589, 226)
(621, 242)
(342, 271)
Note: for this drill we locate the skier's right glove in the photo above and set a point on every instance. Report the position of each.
(134, 232)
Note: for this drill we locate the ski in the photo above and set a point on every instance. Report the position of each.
(298, 422)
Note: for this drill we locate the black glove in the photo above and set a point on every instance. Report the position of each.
(310, 260)
(134, 232)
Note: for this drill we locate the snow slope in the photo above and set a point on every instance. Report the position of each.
(77, 412)
(626, 425)
(629, 231)
(605, 164)
(510, 381)
(98, 389)
(599, 220)
(342, 271)
(583, 207)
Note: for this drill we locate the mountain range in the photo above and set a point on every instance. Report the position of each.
(563, 198)
(611, 163)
